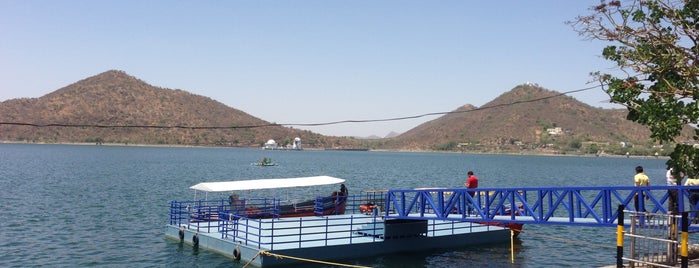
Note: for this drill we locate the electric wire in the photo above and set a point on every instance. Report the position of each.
(293, 124)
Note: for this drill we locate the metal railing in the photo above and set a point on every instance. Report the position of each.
(298, 232)
(587, 206)
(653, 239)
(217, 216)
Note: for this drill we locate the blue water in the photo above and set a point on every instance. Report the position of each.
(106, 206)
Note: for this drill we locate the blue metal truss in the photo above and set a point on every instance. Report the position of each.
(591, 206)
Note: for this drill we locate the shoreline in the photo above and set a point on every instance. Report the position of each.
(527, 153)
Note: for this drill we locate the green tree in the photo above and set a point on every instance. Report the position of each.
(655, 47)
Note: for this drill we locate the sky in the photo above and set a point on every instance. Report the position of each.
(307, 62)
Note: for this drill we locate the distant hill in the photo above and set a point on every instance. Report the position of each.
(514, 120)
(114, 98)
(392, 134)
(114, 107)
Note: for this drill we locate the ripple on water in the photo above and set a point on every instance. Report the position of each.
(83, 206)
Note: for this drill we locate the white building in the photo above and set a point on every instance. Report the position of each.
(270, 145)
(297, 144)
(555, 131)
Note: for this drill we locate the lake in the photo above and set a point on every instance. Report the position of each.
(106, 206)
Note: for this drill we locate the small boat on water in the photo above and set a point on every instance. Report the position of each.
(265, 162)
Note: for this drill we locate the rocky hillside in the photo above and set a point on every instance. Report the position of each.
(526, 117)
(115, 107)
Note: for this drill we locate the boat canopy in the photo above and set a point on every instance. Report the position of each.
(225, 186)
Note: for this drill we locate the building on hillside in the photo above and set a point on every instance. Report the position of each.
(586, 144)
(270, 145)
(297, 144)
(555, 131)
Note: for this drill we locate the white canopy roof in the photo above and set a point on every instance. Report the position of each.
(224, 186)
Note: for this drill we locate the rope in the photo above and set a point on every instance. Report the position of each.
(307, 260)
(253, 258)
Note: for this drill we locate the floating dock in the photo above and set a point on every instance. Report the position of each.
(283, 241)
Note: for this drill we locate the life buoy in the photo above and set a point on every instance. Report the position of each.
(367, 208)
(195, 240)
(181, 233)
(236, 253)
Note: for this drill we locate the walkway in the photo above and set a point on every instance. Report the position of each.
(581, 206)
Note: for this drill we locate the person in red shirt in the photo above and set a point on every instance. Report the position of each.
(471, 183)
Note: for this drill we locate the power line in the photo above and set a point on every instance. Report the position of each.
(296, 124)
(443, 113)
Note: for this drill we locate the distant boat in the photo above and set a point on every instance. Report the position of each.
(265, 162)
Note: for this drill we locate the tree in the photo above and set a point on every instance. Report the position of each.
(655, 47)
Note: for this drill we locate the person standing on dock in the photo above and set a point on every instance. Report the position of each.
(693, 198)
(471, 183)
(672, 180)
(640, 179)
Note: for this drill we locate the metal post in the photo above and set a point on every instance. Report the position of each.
(620, 237)
(672, 234)
(685, 239)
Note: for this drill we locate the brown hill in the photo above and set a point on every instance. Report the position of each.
(114, 98)
(521, 119)
(114, 107)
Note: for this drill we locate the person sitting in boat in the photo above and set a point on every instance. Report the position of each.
(236, 203)
(265, 161)
(343, 190)
(342, 194)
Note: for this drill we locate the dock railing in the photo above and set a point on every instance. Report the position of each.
(282, 233)
(299, 232)
(286, 233)
(652, 239)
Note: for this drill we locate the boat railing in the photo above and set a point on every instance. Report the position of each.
(324, 202)
(201, 215)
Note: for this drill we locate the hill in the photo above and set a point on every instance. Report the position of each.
(119, 108)
(527, 117)
(114, 107)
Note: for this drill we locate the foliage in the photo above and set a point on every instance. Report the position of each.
(655, 47)
(448, 146)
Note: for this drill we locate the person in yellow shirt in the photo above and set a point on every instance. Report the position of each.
(640, 179)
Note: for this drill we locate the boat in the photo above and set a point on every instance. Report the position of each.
(265, 162)
(226, 218)
(258, 208)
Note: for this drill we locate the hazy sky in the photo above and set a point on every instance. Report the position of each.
(306, 61)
